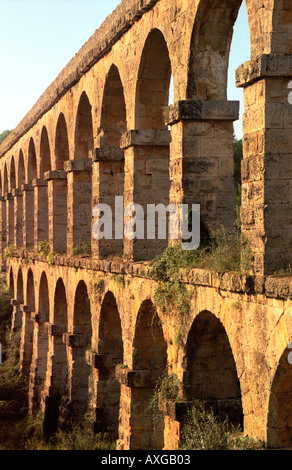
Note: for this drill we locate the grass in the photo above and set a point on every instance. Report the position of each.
(203, 430)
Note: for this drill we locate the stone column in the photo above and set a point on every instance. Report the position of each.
(137, 429)
(41, 210)
(26, 341)
(9, 218)
(202, 158)
(2, 229)
(266, 214)
(78, 373)
(56, 385)
(108, 182)
(16, 322)
(57, 210)
(146, 182)
(18, 217)
(79, 202)
(28, 216)
(38, 366)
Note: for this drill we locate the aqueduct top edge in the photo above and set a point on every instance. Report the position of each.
(109, 32)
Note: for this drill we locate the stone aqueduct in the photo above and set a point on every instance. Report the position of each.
(89, 341)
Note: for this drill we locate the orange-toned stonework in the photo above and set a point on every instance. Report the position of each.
(104, 128)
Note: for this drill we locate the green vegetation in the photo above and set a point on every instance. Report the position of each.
(3, 135)
(203, 430)
(18, 429)
(83, 249)
(223, 253)
(167, 389)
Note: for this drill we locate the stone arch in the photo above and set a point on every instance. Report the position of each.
(26, 344)
(32, 162)
(30, 291)
(81, 174)
(11, 283)
(112, 161)
(45, 152)
(40, 346)
(58, 190)
(44, 299)
(210, 371)
(18, 305)
(152, 155)
(81, 341)
(149, 354)
(83, 129)
(12, 174)
(279, 422)
(5, 180)
(21, 169)
(110, 353)
(41, 196)
(19, 287)
(152, 91)
(19, 199)
(10, 201)
(58, 367)
(4, 207)
(29, 199)
(61, 143)
(209, 51)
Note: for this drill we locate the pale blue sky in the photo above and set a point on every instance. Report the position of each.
(39, 37)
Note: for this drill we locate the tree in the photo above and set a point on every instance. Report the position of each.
(4, 135)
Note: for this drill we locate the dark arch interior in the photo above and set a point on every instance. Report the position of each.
(150, 353)
(84, 129)
(32, 164)
(210, 370)
(61, 143)
(20, 287)
(110, 351)
(30, 291)
(111, 166)
(210, 46)
(21, 169)
(279, 426)
(82, 212)
(44, 302)
(11, 284)
(153, 83)
(45, 152)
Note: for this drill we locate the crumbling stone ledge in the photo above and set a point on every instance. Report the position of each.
(272, 286)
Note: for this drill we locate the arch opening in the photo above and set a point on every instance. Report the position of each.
(38, 368)
(110, 352)
(152, 171)
(111, 166)
(279, 422)
(42, 188)
(29, 199)
(58, 367)
(58, 191)
(79, 383)
(19, 200)
(149, 353)
(82, 180)
(210, 370)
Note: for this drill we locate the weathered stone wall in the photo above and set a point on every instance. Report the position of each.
(90, 341)
(250, 321)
